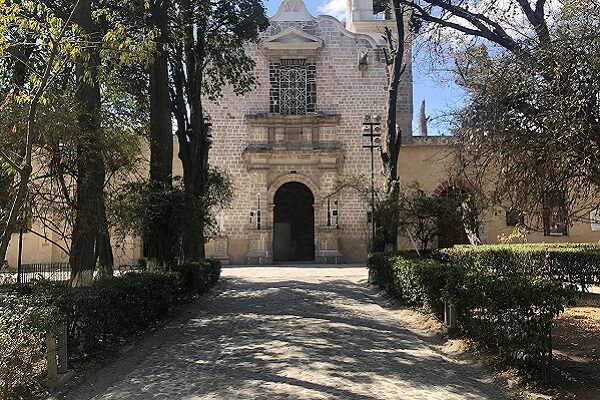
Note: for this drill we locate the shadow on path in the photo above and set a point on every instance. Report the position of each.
(290, 339)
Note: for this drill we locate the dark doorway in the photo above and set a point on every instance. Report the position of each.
(461, 211)
(294, 223)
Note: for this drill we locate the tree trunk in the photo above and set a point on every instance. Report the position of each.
(159, 234)
(194, 143)
(394, 135)
(89, 204)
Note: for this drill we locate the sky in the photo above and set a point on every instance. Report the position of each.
(440, 94)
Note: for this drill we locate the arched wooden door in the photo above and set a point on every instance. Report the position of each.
(294, 223)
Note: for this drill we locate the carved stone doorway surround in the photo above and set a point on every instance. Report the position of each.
(326, 238)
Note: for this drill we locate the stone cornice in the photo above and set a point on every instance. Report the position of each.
(264, 156)
(292, 39)
(293, 120)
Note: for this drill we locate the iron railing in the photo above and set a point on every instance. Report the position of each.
(55, 272)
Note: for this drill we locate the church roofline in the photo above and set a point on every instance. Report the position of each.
(292, 10)
(346, 32)
(295, 10)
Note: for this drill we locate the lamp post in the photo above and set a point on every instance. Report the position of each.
(372, 130)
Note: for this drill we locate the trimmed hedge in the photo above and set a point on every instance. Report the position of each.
(107, 312)
(416, 281)
(502, 307)
(572, 263)
(196, 278)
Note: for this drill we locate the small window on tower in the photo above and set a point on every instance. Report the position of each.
(382, 10)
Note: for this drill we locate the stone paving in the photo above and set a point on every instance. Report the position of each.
(287, 333)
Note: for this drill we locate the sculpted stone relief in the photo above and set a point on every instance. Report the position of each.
(291, 5)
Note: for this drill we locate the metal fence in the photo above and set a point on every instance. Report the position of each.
(55, 272)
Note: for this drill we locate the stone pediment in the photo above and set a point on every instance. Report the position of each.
(293, 120)
(293, 39)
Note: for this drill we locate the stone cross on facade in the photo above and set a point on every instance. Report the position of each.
(291, 5)
(292, 10)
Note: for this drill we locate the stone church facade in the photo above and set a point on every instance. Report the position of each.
(288, 142)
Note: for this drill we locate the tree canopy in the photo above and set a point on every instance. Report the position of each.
(532, 126)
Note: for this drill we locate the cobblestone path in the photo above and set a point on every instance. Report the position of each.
(286, 333)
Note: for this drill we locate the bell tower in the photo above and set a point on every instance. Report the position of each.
(368, 16)
(371, 17)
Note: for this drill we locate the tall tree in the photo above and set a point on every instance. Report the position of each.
(51, 46)
(530, 129)
(395, 59)
(159, 234)
(208, 53)
(88, 229)
(508, 24)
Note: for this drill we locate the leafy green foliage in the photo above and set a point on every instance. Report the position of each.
(426, 217)
(104, 314)
(113, 309)
(577, 264)
(24, 322)
(196, 278)
(138, 204)
(497, 298)
(532, 125)
(512, 314)
(386, 206)
(416, 281)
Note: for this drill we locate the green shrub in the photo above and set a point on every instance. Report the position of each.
(415, 280)
(196, 278)
(498, 305)
(512, 314)
(214, 269)
(24, 322)
(110, 310)
(567, 262)
(113, 309)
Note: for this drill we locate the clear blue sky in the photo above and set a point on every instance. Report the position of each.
(439, 92)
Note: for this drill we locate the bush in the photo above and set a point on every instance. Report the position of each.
(414, 280)
(566, 262)
(512, 314)
(96, 316)
(196, 278)
(112, 309)
(24, 322)
(504, 308)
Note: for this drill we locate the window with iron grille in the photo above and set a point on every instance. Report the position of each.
(293, 87)
(555, 214)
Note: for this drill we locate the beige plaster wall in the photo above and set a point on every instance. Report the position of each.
(431, 165)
